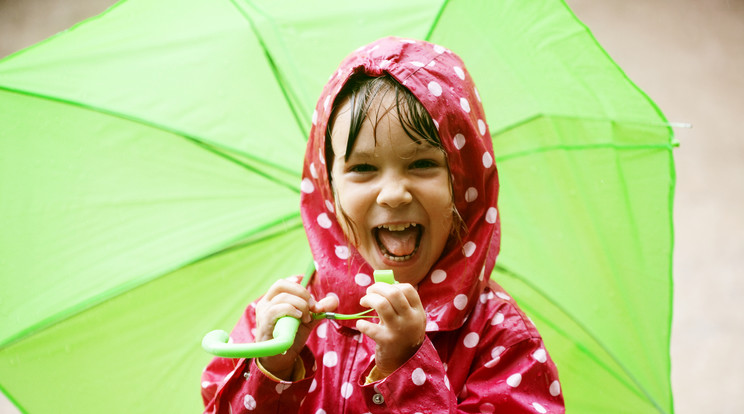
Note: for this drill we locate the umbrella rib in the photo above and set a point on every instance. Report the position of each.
(436, 20)
(638, 387)
(257, 235)
(289, 96)
(212, 147)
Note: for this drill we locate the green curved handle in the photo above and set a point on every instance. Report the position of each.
(284, 332)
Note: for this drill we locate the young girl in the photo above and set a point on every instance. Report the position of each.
(399, 174)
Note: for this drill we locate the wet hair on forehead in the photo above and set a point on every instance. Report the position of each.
(361, 91)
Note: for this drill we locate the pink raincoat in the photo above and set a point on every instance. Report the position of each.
(481, 353)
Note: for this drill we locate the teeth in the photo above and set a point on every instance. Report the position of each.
(396, 227)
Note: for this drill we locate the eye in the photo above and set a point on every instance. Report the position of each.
(424, 163)
(361, 168)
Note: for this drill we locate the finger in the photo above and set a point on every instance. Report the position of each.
(327, 304)
(394, 295)
(412, 295)
(287, 286)
(380, 304)
(372, 330)
(297, 302)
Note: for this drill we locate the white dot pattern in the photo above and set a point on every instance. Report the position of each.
(342, 252)
(459, 72)
(471, 340)
(418, 376)
(487, 160)
(468, 249)
(435, 88)
(555, 388)
(346, 390)
(330, 359)
(514, 380)
(481, 127)
(461, 301)
(540, 356)
(459, 141)
(465, 105)
(306, 186)
(539, 408)
(438, 276)
(249, 402)
(471, 194)
(491, 215)
(324, 221)
(362, 279)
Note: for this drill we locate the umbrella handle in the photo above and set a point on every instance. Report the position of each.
(284, 333)
(285, 329)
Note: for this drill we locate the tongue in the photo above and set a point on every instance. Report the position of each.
(399, 243)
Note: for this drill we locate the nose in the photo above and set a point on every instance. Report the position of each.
(394, 192)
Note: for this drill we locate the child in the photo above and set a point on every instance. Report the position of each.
(399, 174)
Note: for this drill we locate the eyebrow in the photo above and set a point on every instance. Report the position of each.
(422, 148)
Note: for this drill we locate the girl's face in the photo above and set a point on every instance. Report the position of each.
(393, 197)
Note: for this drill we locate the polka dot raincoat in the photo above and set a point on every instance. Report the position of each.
(481, 354)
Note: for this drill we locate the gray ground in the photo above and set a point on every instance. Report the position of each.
(688, 56)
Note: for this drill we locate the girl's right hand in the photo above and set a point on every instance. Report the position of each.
(288, 298)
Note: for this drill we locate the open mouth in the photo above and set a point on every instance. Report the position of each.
(398, 242)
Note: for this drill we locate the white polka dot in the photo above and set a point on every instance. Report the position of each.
(446, 382)
(539, 408)
(435, 88)
(249, 402)
(503, 295)
(362, 280)
(465, 105)
(342, 252)
(491, 215)
(471, 194)
(555, 388)
(384, 64)
(487, 160)
(407, 41)
(320, 410)
(306, 186)
(322, 330)
(330, 359)
(480, 277)
(418, 64)
(487, 408)
(438, 276)
(436, 124)
(346, 390)
(320, 156)
(326, 102)
(477, 95)
(313, 171)
(514, 380)
(497, 351)
(540, 355)
(432, 63)
(481, 127)
(461, 301)
(329, 206)
(471, 340)
(315, 116)
(324, 221)
(459, 72)
(432, 326)
(497, 319)
(459, 141)
(484, 297)
(280, 387)
(418, 377)
(439, 49)
(313, 386)
(468, 249)
(205, 384)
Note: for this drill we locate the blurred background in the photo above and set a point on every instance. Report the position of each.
(688, 56)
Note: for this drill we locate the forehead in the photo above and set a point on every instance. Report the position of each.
(380, 127)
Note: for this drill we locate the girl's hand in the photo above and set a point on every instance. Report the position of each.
(287, 298)
(402, 326)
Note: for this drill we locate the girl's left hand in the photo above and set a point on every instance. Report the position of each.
(402, 326)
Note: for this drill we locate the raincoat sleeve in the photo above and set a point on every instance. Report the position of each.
(235, 385)
(502, 369)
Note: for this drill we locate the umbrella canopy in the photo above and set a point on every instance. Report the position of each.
(150, 163)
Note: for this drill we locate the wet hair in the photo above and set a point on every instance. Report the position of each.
(361, 91)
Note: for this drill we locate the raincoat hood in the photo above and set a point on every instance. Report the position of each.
(438, 78)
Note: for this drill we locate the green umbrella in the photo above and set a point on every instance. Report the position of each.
(149, 189)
